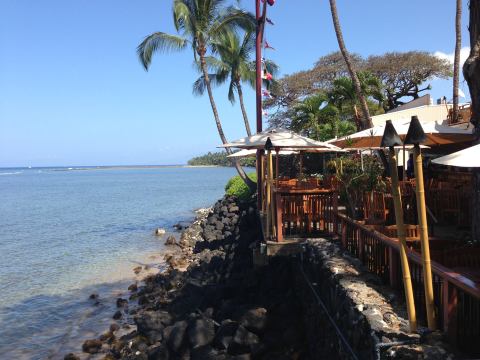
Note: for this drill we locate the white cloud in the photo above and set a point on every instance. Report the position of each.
(464, 52)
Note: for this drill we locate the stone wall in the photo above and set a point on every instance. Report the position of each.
(370, 317)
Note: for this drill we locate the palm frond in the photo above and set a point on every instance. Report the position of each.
(158, 42)
(200, 85)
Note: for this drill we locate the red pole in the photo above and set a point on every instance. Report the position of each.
(260, 16)
(258, 89)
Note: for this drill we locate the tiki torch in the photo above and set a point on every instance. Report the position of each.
(390, 139)
(416, 136)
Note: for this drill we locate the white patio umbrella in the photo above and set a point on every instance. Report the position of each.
(469, 157)
(282, 138)
(437, 134)
(252, 152)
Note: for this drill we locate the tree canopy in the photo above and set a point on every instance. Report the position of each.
(387, 80)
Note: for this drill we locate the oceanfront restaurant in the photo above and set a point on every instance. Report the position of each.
(340, 189)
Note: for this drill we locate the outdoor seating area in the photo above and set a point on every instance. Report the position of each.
(293, 209)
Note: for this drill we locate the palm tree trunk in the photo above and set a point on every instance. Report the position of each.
(244, 112)
(240, 170)
(456, 62)
(471, 73)
(366, 121)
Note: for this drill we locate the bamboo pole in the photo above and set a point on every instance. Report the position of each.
(271, 209)
(268, 194)
(407, 280)
(422, 221)
(261, 183)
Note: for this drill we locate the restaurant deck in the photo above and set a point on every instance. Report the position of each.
(307, 209)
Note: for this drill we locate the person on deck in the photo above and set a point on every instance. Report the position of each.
(410, 171)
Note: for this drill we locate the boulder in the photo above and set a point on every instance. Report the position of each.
(71, 356)
(160, 232)
(114, 327)
(171, 240)
(122, 302)
(152, 321)
(175, 335)
(133, 288)
(201, 332)
(225, 334)
(243, 341)
(92, 346)
(255, 320)
(158, 352)
(118, 315)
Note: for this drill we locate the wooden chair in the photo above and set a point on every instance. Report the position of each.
(375, 211)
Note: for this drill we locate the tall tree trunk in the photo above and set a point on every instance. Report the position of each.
(456, 62)
(242, 105)
(241, 172)
(366, 121)
(471, 73)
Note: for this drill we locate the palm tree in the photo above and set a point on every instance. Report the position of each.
(343, 94)
(233, 64)
(200, 24)
(366, 122)
(456, 61)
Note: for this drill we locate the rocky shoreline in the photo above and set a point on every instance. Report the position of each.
(210, 303)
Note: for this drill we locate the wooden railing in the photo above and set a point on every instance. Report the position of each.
(457, 298)
(304, 212)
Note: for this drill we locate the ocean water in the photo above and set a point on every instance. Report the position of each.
(66, 233)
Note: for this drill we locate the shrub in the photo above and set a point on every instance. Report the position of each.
(236, 187)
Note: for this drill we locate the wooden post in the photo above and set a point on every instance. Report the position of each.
(407, 280)
(450, 302)
(423, 228)
(393, 267)
(261, 183)
(344, 235)
(279, 202)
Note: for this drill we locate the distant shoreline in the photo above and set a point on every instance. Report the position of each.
(106, 167)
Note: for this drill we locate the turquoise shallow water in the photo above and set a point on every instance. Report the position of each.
(66, 233)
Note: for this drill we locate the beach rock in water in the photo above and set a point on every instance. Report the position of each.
(160, 232)
(92, 346)
(171, 240)
(137, 270)
(201, 332)
(118, 315)
(114, 327)
(122, 302)
(93, 296)
(71, 356)
(133, 288)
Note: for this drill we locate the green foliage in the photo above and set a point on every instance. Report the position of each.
(237, 187)
(388, 80)
(354, 180)
(219, 159)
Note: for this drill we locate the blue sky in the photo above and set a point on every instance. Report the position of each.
(72, 91)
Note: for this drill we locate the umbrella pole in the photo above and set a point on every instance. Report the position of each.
(422, 221)
(407, 280)
(268, 198)
(277, 152)
(301, 165)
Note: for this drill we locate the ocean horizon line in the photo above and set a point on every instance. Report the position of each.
(103, 167)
